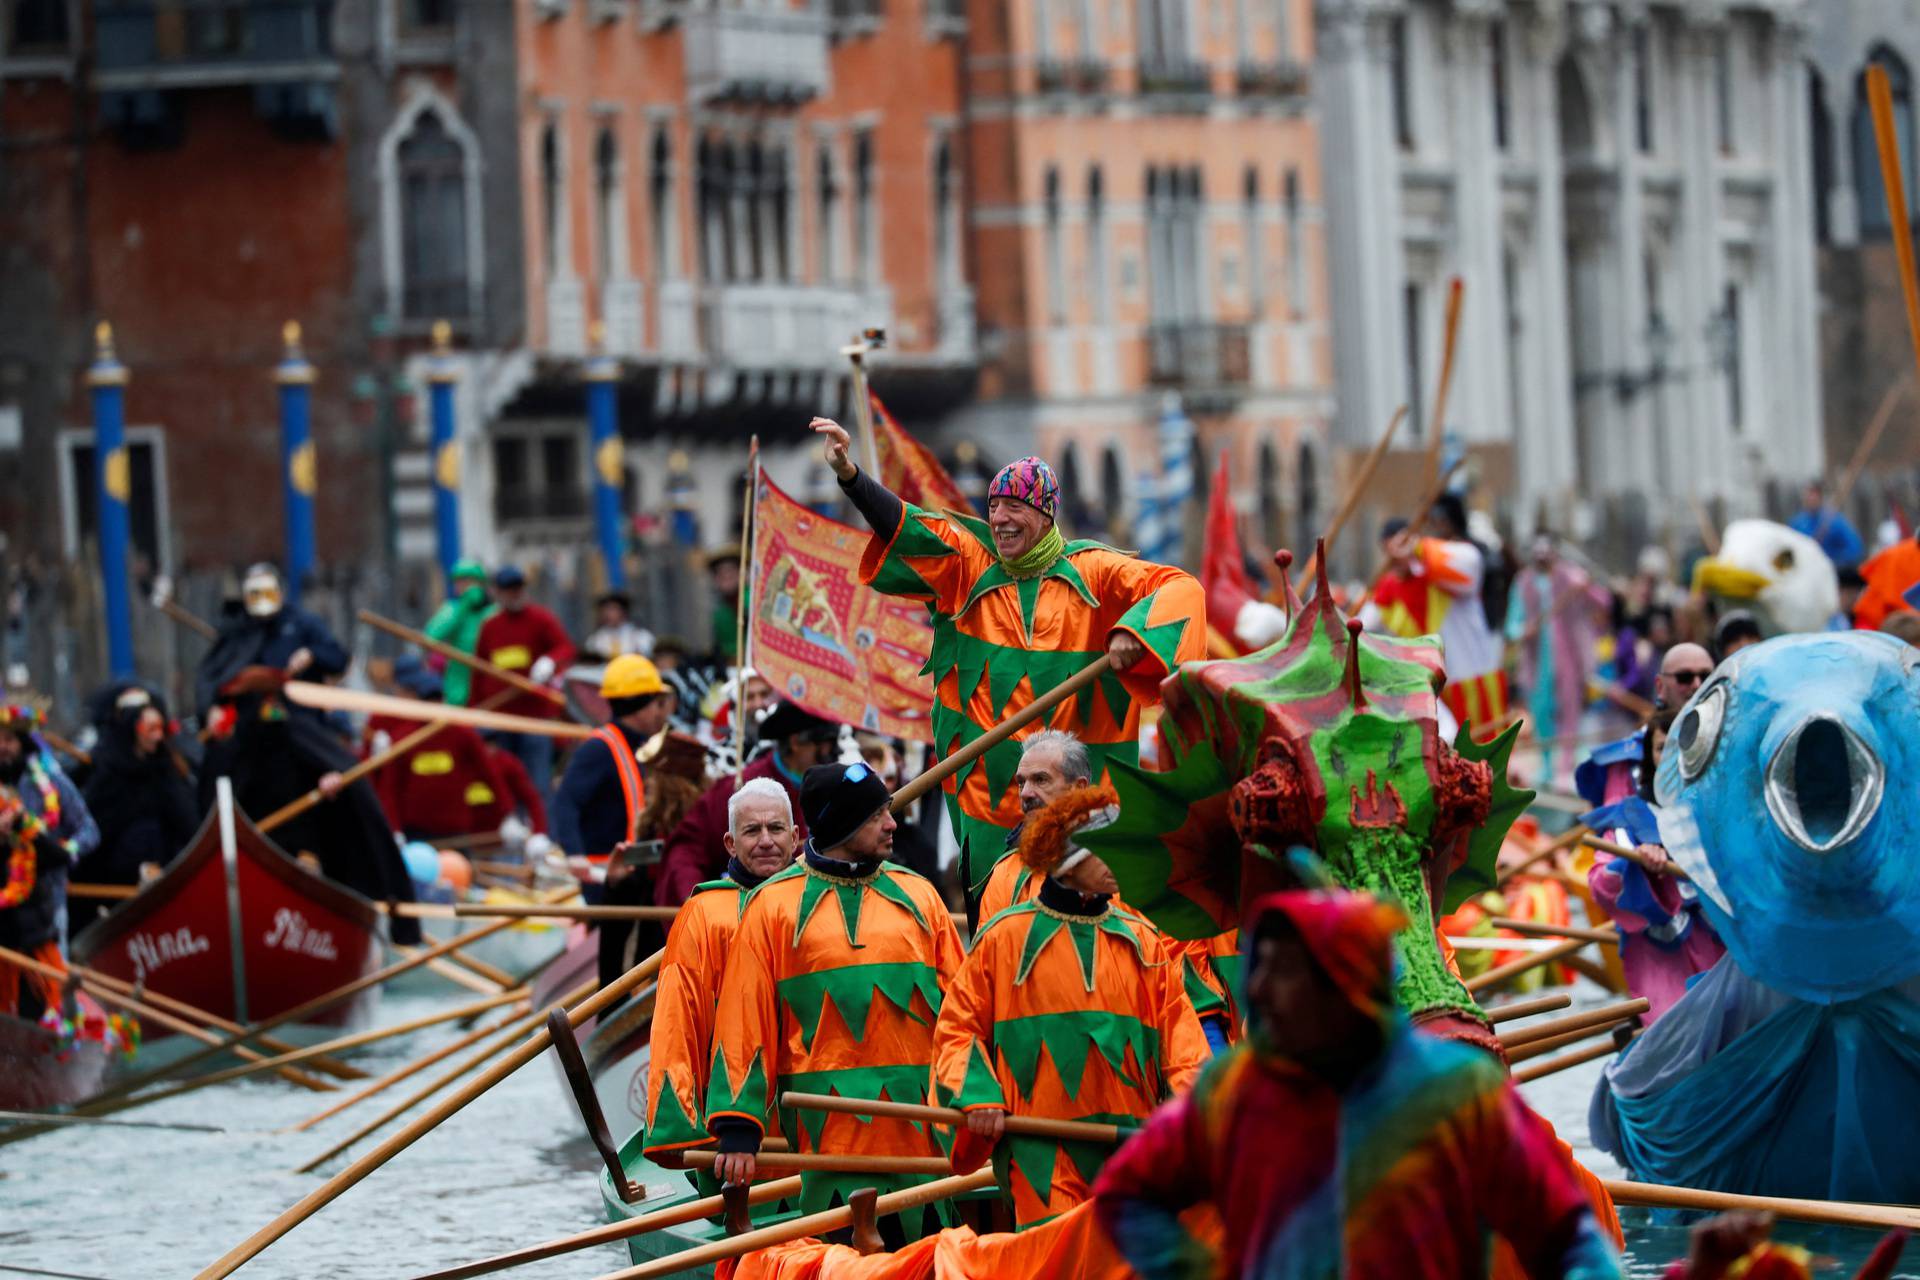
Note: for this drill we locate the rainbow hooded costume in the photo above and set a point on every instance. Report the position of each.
(1067, 1008)
(1404, 1174)
(1005, 633)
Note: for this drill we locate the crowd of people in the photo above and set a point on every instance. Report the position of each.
(817, 948)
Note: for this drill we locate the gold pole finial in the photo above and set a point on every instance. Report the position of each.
(597, 335)
(290, 334)
(442, 337)
(103, 340)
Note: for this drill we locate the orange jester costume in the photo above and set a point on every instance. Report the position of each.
(1095, 987)
(1005, 632)
(681, 1044)
(832, 986)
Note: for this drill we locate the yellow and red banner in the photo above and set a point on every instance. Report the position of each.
(839, 649)
(909, 468)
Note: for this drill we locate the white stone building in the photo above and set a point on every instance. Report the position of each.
(1625, 189)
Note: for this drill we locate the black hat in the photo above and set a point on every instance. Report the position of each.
(784, 719)
(620, 598)
(837, 800)
(509, 575)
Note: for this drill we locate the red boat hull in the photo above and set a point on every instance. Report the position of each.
(301, 934)
(34, 1077)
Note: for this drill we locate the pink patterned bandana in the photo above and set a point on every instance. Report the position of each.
(1031, 481)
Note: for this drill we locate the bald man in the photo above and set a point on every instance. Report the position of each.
(1682, 671)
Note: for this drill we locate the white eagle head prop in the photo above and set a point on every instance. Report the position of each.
(1783, 574)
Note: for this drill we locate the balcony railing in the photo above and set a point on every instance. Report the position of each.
(947, 17)
(756, 56)
(1283, 79)
(1079, 75)
(562, 503)
(1198, 354)
(779, 326)
(210, 42)
(855, 17)
(1176, 78)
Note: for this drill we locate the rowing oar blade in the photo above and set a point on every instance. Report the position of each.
(575, 1067)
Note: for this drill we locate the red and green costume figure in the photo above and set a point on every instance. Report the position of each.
(833, 983)
(1325, 739)
(1005, 632)
(1062, 1014)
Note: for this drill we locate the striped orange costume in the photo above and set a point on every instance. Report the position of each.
(832, 985)
(684, 1014)
(1065, 1016)
(1442, 594)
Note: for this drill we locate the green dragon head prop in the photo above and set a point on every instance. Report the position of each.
(1329, 739)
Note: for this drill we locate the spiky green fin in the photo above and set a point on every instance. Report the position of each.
(1082, 933)
(1069, 1037)
(1203, 998)
(1036, 1158)
(888, 571)
(1166, 847)
(1478, 873)
(852, 988)
(851, 894)
(980, 1087)
(672, 1126)
(1228, 968)
(750, 1099)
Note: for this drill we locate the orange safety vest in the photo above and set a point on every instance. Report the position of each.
(633, 790)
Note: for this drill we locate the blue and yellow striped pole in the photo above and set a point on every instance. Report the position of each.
(114, 478)
(609, 460)
(441, 377)
(297, 470)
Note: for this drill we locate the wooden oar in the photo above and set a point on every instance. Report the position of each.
(458, 977)
(1605, 1016)
(1355, 491)
(103, 892)
(336, 1045)
(319, 1004)
(465, 659)
(533, 911)
(40, 1118)
(409, 1070)
(679, 1215)
(327, 697)
(321, 1196)
(812, 1224)
(1013, 724)
(1541, 1048)
(1886, 137)
(1565, 840)
(1062, 1130)
(1548, 1066)
(1632, 855)
(1527, 1008)
(185, 617)
(1864, 450)
(1536, 929)
(501, 1042)
(333, 1067)
(882, 1165)
(1839, 1213)
(379, 760)
(1513, 968)
(1450, 346)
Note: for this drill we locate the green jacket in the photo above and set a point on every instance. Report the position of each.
(457, 623)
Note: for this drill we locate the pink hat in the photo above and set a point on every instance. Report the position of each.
(1031, 481)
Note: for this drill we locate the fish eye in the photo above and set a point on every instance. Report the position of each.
(1784, 560)
(1699, 729)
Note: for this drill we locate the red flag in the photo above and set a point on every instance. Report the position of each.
(1223, 564)
(837, 648)
(909, 468)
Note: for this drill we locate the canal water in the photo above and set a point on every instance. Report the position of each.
(512, 1169)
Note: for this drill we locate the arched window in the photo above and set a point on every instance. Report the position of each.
(1576, 110)
(776, 193)
(1820, 128)
(1869, 191)
(1307, 503)
(37, 26)
(946, 220)
(1296, 251)
(752, 213)
(609, 207)
(431, 170)
(827, 193)
(1273, 528)
(1097, 244)
(865, 191)
(1055, 252)
(551, 209)
(1256, 265)
(1113, 491)
(660, 206)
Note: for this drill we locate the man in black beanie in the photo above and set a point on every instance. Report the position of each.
(835, 980)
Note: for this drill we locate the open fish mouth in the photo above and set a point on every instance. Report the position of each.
(1824, 784)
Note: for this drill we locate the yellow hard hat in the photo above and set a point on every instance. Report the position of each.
(630, 676)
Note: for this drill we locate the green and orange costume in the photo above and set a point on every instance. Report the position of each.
(1005, 633)
(833, 983)
(684, 1012)
(1067, 1016)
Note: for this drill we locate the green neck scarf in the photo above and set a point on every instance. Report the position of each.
(1038, 558)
